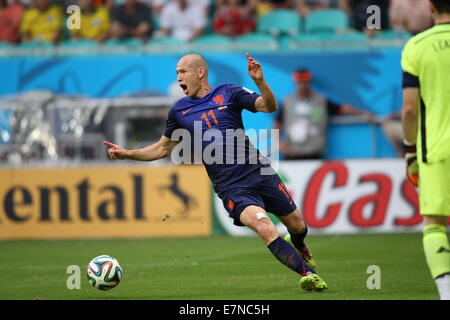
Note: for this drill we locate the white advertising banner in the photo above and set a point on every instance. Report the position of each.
(346, 197)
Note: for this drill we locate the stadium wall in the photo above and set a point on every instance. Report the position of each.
(369, 80)
(335, 197)
(104, 202)
(353, 196)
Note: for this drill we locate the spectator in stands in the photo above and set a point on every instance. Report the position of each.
(42, 22)
(233, 18)
(303, 119)
(281, 4)
(10, 18)
(413, 16)
(304, 7)
(357, 10)
(155, 5)
(261, 7)
(95, 22)
(183, 20)
(204, 4)
(131, 19)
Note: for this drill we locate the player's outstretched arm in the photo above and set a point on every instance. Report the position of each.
(266, 102)
(155, 151)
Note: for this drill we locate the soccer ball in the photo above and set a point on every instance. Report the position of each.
(104, 272)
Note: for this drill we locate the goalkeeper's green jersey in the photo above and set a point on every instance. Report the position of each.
(427, 56)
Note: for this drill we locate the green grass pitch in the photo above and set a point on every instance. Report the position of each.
(217, 268)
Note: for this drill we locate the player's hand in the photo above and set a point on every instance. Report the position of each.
(115, 151)
(254, 68)
(412, 167)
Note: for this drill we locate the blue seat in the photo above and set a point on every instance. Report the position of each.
(5, 45)
(212, 42)
(168, 41)
(35, 44)
(327, 41)
(78, 43)
(346, 42)
(392, 35)
(212, 39)
(279, 22)
(167, 44)
(304, 42)
(77, 46)
(326, 20)
(255, 41)
(128, 42)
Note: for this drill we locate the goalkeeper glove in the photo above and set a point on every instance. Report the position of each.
(412, 167)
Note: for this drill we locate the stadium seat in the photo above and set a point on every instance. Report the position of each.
(392, 35)
(129, 42)
(212, 38)
(390, 38)
(168, 41)
(327, 41)
(347, 41)
(279, 22)
(78, 43)
(4, 45)
(167, 44)
(304, 42)
(326, 20)
(255, 41)
(78, 46)
(5, 48)
(35, 44)
(212, 42)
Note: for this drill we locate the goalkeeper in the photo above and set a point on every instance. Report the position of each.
(426, 126)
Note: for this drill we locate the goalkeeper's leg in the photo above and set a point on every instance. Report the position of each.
(434, 198)
(437, 253)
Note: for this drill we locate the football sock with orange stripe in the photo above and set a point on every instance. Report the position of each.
(288, 256)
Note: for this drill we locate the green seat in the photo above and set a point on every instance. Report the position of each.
(212, 39)
(346, 42)
(35, 44)
(212, 42)
(156, 25)
(5, 45)
(77, 46)
(326, 20)
(328, 41)
(168, 41)
(128, 42)
(78, 43)
(392, 35)
(353, 36)
(279, 22)
(305, 42)
(255, 41)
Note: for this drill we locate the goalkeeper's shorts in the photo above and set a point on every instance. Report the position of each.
(434, 188)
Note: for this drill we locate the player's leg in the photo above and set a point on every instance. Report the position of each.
(434, 196)
(437, 252)
(256, 219)
(297, 228)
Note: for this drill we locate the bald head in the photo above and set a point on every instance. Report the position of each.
(195, 61)
(192, 71)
